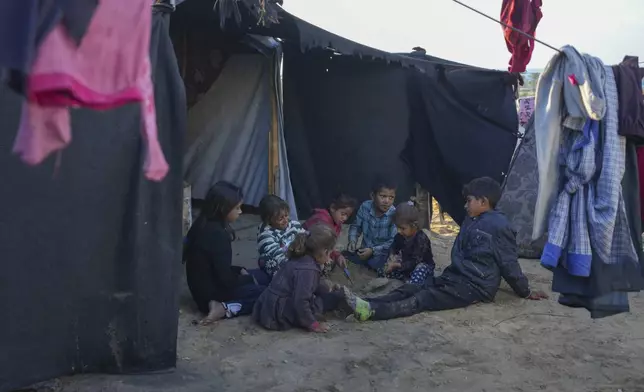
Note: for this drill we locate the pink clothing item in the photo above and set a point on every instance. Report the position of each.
(324, 217)
(111, 67)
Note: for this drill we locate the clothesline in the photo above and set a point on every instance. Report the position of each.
(508, 26)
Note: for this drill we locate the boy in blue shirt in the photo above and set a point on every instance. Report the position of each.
(374, 220)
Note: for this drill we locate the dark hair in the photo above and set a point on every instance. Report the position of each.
(407, 214)
(342, 200)
(381, 182)
(319, 237)
(484, 187)
(220, 200)
(270, 206)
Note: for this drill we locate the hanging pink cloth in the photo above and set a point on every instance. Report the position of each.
(110, 68)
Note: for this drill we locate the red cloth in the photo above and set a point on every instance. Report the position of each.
(523, 15)
(110, 68)
(324, 217)
(640, 167)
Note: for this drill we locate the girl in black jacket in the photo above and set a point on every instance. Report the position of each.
(219, 289)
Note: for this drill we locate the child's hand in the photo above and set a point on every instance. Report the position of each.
(365, 253)
(351, 247)
(390, 266)
(537, 295)
(319, 327)
(341, 262)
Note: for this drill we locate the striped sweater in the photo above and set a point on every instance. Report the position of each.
(272, 245)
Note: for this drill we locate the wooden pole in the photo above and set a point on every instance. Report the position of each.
(425, 206)
(273, 139)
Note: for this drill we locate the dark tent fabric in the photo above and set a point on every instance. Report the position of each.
(520, 194)
(355, 115)
(91, 252)
(463, 125)
(345, 121)
(347, 115)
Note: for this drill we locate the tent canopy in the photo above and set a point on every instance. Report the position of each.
(348, 111)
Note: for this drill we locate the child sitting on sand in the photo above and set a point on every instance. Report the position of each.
(219, 288)
(275, 233)
(374, 221)
(484, 252)
(410, 256)
(296, 296)
(339, 211)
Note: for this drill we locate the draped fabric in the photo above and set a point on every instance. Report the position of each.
(91, 250)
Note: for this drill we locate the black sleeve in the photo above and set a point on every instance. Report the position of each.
(397, 245)
(216, 243)
(506, 256)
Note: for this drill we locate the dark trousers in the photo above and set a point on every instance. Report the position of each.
(411, 299)
(246, 295)
(205, 289)
(331, 301)
(261, 277)
(374, 262)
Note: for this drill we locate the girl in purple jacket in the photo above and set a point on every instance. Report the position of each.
(296, 296)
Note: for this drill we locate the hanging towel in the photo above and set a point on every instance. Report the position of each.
(110, 67)
(523, 15)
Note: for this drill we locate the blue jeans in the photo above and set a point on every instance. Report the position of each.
(245, 296)
(374, 262)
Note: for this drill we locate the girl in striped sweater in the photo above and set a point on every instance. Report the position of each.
(275, 234)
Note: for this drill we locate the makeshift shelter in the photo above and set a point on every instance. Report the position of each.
(520, 194)
(235, 123)
(91, 250)
(351, 111)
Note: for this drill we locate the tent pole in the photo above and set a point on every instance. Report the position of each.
(424, 202)
(273, 140)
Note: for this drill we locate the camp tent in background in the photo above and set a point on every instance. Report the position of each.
(99, 247)
(235, 124)
(351, 111)
(520, 194)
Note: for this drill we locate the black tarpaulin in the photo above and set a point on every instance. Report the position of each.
(91, 253)
(345, 121)
(463, 125)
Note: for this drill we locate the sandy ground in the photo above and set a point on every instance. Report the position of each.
(511, 345)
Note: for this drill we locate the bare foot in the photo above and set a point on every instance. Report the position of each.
(216, 313)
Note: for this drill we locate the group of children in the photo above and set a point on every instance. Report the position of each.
(289, 290)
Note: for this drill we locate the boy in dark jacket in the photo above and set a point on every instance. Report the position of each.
(484, 252)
